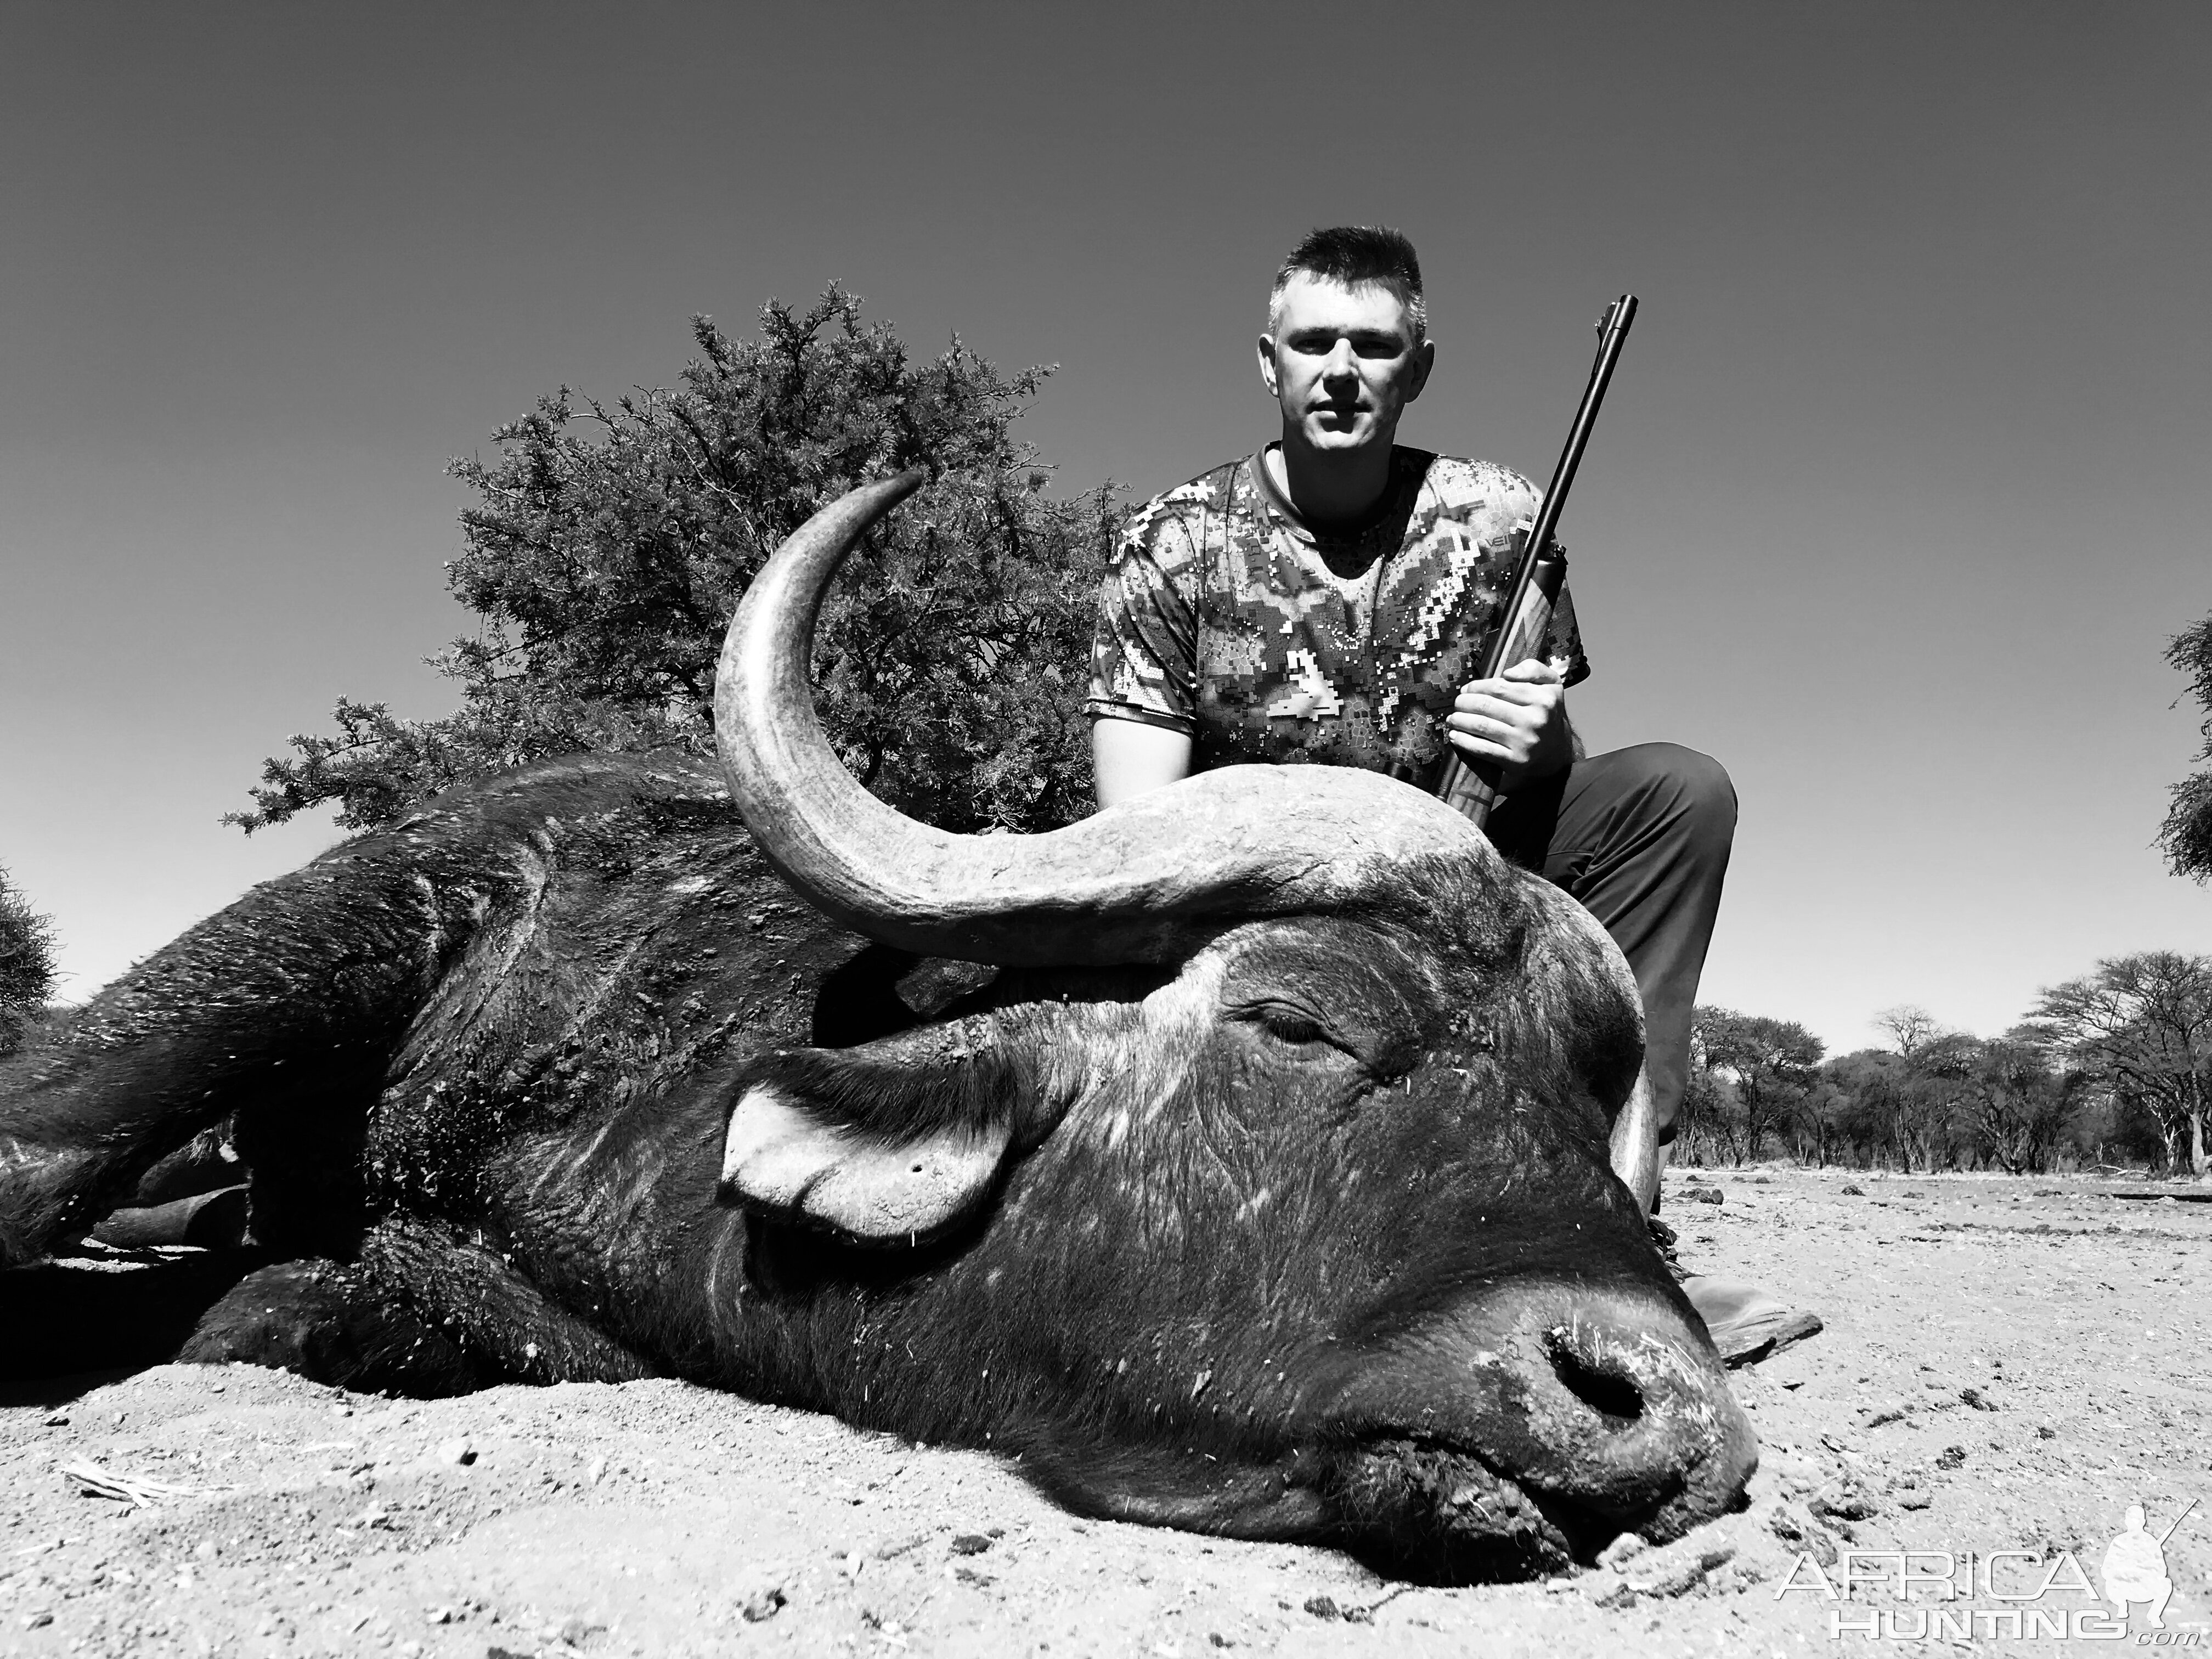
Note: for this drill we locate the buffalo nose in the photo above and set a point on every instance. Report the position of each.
(1612, 1404)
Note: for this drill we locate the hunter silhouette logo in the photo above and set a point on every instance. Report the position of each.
(2134, 1568)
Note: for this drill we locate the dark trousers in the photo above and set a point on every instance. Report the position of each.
(1641, 838)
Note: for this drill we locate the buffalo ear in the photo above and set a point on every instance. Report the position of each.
(872, 1189)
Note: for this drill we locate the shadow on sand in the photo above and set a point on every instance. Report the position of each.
(95, 1311)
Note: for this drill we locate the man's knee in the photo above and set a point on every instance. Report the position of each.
(1694, 788)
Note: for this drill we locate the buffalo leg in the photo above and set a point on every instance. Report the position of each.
(501, 1320)
(296, 993)
(333, 1324)
(423, 1312)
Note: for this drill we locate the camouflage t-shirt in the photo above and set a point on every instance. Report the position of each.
(1226, 617)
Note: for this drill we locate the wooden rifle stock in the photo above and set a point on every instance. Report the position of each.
(1472, 786)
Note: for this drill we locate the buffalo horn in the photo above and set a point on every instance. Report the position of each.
(1138, 881)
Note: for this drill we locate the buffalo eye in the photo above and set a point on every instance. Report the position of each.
(1293, 1027)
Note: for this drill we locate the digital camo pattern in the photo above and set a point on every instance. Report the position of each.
(1225, 618)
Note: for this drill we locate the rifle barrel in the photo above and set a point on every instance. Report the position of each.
(1612, 329)
(2176, 1525)
(1472, 786)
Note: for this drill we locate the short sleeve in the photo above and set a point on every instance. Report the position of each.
(1144, 655)
(1563, 639)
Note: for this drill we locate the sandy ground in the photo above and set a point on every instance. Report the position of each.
(2008, 1365)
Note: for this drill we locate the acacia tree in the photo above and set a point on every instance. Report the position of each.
(2142, 1027)
(2010, 1095)
(2187, 834)
(1922, 1104)
(1867, 1080)
(1902, 1102)
(608, 545)
(1820, 1118)
(1910, 1027)
(1706, 1119)
(1771, 1063)
(26, 965)
(1701, 1127)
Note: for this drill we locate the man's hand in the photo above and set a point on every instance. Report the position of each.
(1518, 720)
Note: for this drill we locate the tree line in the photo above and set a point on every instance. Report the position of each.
(2114, 1067)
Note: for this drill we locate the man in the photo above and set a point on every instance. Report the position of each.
(1328, 599)
(2134, 1568)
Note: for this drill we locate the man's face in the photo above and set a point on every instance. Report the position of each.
(1342, 363)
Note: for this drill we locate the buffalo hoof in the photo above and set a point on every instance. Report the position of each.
(325, 1323)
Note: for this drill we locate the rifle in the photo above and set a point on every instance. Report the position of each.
(2176, 1527)
(1472, 786)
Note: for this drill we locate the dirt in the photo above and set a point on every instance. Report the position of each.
(2008, 1365)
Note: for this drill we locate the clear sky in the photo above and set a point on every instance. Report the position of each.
(1901, 488)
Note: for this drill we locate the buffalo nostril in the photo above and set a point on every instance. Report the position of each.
(1611, 1395)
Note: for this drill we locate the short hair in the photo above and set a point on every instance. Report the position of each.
(1353, 255)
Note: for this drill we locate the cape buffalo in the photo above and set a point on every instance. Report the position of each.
(1255, 1180)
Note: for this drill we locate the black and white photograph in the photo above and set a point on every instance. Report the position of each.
(1134, 830)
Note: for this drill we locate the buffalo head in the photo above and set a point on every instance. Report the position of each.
(1268, 1193)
